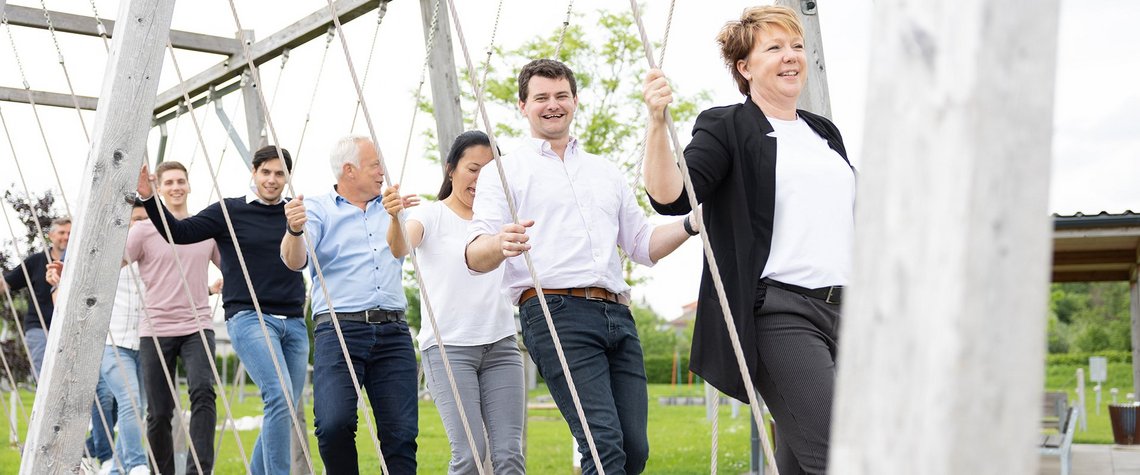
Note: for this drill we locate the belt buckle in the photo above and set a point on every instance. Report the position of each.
(589, 291)
(374, 315)
(830, 292)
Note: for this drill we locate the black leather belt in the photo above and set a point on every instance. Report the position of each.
(832, 295)
(372, 315)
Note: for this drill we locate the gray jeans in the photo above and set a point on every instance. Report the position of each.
(490, 383)
(37, 344)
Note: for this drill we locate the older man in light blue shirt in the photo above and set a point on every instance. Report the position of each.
(348, 230)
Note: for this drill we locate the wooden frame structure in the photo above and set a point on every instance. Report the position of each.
(128, 107)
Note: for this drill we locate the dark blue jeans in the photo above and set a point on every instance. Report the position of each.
(603, 352)
(100, 442)
(385, 364)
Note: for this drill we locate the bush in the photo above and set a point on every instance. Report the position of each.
(659, 369)
(1082, 359)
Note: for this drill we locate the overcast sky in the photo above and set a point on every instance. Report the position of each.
(1096, 163)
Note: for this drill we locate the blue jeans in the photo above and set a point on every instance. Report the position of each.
(124, 377)
(385, 364)
(490, 383)
(102, 436)
(603, 352)
(289, 340)
(36, 338)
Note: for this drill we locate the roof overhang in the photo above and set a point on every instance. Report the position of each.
(1103, 247)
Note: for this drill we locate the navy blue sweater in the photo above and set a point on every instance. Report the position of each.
(259, 229)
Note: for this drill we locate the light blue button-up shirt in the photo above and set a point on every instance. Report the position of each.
(352, 248)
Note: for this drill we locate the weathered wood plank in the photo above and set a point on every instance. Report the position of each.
(67, 384)
(312, 26)
(444, 80)
(941, 365)
(814, 97)
(84, 25)
(44, 98)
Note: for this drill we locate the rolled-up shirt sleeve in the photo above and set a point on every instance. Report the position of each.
(634, 229)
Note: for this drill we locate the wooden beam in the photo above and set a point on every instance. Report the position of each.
(444, 80)
(941, 363)
(254, 116)
(1091, 276)
(43, 98)
(814, 97)
(84, 25)
(1074, 258)
(67, 384)
(292, 36)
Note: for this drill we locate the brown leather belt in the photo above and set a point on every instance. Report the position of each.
(588, 293)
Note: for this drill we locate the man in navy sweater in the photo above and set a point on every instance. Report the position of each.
(258, 221)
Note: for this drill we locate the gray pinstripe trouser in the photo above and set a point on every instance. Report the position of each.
(797, 338)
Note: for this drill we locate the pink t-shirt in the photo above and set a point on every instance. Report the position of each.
(168, 309)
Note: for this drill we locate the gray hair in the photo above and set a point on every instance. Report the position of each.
(346, 150)
(57, 222)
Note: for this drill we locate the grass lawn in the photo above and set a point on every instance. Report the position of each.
(679, 438)
(1064, 378)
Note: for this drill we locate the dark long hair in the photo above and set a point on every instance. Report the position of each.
(463, 142)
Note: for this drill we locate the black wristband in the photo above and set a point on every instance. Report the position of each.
(689, 227)
(294, 233)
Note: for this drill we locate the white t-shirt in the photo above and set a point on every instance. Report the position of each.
(814, 222)
(470, 309)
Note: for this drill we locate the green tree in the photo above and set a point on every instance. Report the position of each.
(1089, 317)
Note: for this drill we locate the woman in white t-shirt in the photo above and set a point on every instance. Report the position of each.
(476, 322)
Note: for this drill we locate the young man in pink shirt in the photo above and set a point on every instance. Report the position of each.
(175, 311)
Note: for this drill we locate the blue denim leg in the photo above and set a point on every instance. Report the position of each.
(36, 338)
(123, 376)
(99, 443)
(384, 362)
(289, 342)
(604, 355)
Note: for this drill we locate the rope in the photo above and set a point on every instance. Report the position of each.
(526, 254)
(35, 112)
(714, 270)
(380, 12)
(245, 271)
(403, 232)
(99, 27)
(640, 153)
(62, 64)
(225, 147)
(715, 430)
(419, 89)
(277, 83)
(313, 97)
(562, 35)
(310, 250)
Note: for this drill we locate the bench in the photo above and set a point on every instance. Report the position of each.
(1059, 416)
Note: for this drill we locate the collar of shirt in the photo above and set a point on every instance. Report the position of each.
(252, 197)
(543, 148)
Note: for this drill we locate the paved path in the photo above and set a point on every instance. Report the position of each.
(1098, 460)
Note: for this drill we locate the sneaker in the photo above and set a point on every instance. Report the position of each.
(139, 470)
(107, 467)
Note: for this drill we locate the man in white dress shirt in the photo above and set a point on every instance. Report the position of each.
(575, 210)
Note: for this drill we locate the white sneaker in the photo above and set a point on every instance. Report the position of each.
(139, 470)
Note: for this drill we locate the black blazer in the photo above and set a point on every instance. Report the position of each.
(732, 162)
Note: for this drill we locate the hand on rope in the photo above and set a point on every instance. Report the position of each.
(295, 217)
(144, 188)
(658, 95)
(513, 238)
(216, 287)
(54, 273)
(394, 203)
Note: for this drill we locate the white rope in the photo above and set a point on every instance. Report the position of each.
(419, 89)
(407, 242)
(380, 12)
(715, 430)
(100, 27)
(35, 111)
(313, 97)
(310, 250)
(714, 270)
(640, 153)
(63, 64)
(299, 430)
(222, 156)
(565, 26)
(526, 254)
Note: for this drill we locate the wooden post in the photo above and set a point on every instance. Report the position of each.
(941, 365)
(122, 120)
(444, 80)
(814, 97)
(1135, 310)
(254, 116)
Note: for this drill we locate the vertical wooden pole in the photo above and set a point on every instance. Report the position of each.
(254, 116)
(942, 354)
(1134, 294)
(67, 384)
(814, 97)
(444, 80)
